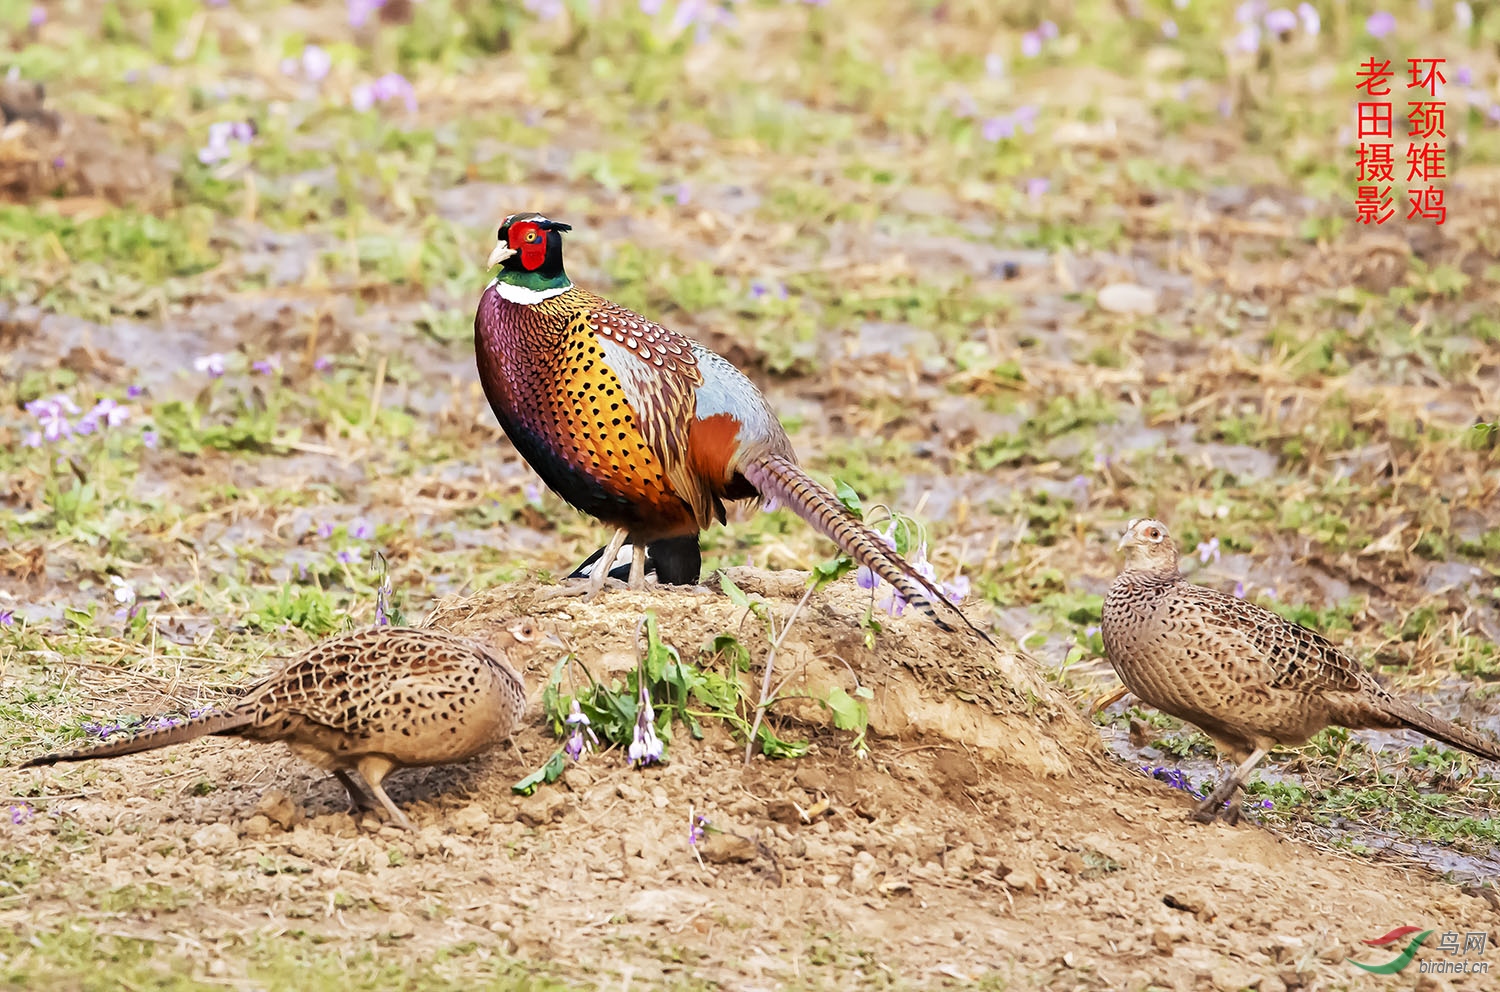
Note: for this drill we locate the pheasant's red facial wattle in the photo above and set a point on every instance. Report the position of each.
(531, 242)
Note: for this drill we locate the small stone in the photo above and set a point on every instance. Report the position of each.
(659, 797)
(663, 905)
(1271, 983)
(277, 807)
(1126, 297)
(783, 811)
(959, 859)
(1232, 977)
(471, 820)
(216, 838)
(399, 925)
(863, 876)
(542, 807)
(724, 848)
(1023, 879)
(256, 827)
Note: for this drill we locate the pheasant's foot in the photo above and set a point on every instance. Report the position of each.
(359, 800)
(578, 587)
(638, 567)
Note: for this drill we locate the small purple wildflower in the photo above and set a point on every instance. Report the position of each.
(532, 493)
(325, 530)
(132, 391)
(1248, 40)
(361, 529)
(391, 86)
(322, 363)
(360, 11)
(1249, 11)
(1239, 590)
(1463, 76)
(1031, 44)
(994, 65)
(1281, 22)
(7, 618)
(864, 576)
(1174, 777)
(220, 134)
(1311, 22)
(350, 556)
(646, 748)
(1037, 187)
(681, 193)
(651, 7)
(1380, 23)
(1091, 630)
(1463, 15)
(213, 364)
(697, 829)
(998, 128)
(51, 416)
(581, 739)
(112, 414)
(545, 10)
(1026, 115)
(150, 438)
(1208, 549)
(759, 290)
(957, 590)
(270, 365)
(1048, 30)
(38, 16)
(22, 813)
(1169, 28)
(124, 591)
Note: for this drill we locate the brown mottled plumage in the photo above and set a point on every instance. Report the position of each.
(1248, 678)
(639, 426)
(369, 701)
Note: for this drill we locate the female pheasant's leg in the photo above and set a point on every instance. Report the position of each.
(1209, 808)
(374, 769)
(638, 566)
(358, 798)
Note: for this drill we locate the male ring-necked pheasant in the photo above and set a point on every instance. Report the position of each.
(1248, 678)
(370, 701)
(638, 426)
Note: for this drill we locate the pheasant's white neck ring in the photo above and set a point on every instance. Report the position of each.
(511, 293)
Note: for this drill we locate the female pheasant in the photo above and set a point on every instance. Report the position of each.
(639, 427)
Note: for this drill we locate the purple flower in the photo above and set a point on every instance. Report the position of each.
(1463, 15)
(680, 193)
(864, 576)
(1248, 40)
(1026, 115)
(325, 530)
(646, 748)
(220, 134)
(1091, 630)
(994, 65)
(1031, 44)
(1208, 549)
(150, 438)
(1311, 22)
(1463, 76)
(1248, 12)
(391, 86)
(7, 618)
(545, 10)
(110, 412)
(532, 494)
(361, 529)
(350, 556)
(957, 590)
(581, 739)
(360, 11)
(651, 7)
(38, 16)
(315, 63)
(697, 829)
(1239, 590)
(759, 290)
(22, 813)
(996, 128)
(322, 364)
(124, 592)
(270, 365)
(1381, 23)
(1048, 30)
(133, 391)
(1281, 21)
(1169, 28)
(52, 417)
(211, 364)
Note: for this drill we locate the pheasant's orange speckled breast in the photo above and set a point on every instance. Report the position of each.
(601, 433)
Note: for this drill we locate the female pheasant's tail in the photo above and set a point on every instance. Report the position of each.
(178, 733)
(778, 477)
(1442, 730)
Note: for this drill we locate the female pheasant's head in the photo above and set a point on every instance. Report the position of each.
(528, 250)
(1149, 547)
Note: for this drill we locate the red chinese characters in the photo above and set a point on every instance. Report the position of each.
(1426, 151)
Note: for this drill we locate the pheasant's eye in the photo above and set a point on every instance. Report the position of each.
(1153, 533)
(530, 236)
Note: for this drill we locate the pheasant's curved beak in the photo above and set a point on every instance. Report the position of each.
(1125, 539)
(500, 254)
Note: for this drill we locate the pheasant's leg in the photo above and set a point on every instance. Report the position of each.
(358, 798)
(637, 566)
(1209, 808)
(590, 588)
(374, 769)
(1108, 701)
(596, 581)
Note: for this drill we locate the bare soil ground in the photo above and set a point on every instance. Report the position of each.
(987, 838)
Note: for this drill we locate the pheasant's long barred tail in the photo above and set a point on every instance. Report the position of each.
(209, 723)
(1439, 729)
(779, 477)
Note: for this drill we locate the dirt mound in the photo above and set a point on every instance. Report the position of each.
(985, 837)
(927, 682)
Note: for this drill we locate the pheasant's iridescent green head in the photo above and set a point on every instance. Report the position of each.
(1149, 547)
(528, 250)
